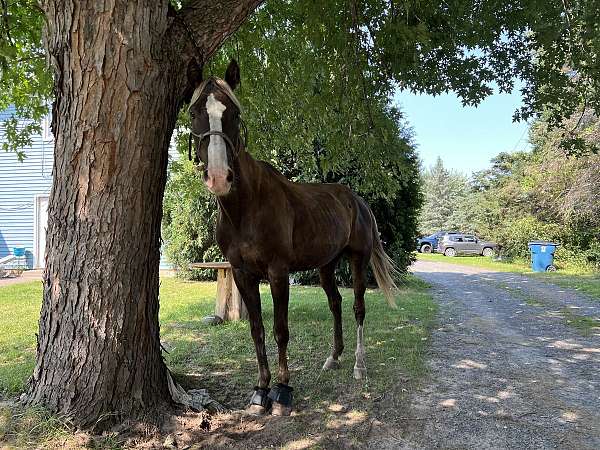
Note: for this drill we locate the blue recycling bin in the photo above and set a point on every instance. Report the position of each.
(542, 256)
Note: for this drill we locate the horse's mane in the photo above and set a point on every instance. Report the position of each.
(221, 85)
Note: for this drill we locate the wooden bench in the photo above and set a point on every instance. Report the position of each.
(229, 304)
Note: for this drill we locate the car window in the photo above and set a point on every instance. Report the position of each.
(456, 238)
(470, 239)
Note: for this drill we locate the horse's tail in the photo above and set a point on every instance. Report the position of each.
(383, 267)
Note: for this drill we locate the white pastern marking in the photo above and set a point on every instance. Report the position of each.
(217, 150)
(360, 347)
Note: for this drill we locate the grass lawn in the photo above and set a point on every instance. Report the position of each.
(19, 313)
(222, 359)
(586, 282)
(477, 261)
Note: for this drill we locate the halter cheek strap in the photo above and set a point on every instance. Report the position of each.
(236, 149)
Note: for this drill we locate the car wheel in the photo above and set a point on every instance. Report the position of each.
(426, 248)
(551, 268)
(488, 251)
(450, 252)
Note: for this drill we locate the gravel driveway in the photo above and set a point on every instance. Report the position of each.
(507, 371)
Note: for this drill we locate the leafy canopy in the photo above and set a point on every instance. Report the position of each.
(25, 82)
(322, 122)
(426, 46)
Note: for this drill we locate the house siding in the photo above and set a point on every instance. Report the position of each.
(20, 183)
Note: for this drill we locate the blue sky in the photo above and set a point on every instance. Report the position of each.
(465, 138)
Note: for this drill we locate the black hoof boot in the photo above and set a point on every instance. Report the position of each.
(282, 397)
(260, 403)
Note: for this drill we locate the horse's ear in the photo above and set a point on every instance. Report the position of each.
(232, 74)
(194, 73)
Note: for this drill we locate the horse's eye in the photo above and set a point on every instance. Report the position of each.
(192, 115)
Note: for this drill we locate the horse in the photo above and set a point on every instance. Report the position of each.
(269, 227)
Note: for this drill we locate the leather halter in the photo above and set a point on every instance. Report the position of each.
(235, 149)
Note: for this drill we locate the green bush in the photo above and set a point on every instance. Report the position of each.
(190, 214)
(189, 219)
(514, 235)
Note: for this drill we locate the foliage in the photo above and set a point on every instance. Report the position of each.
(435, 46)
(25, 82)
(543, 194)
(321, 123)
(189, 218)
(514, 235)
(190, 211)
(445, 206)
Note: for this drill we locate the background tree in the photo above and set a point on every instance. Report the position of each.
(119, 80)
(539, 194)
(445, 194)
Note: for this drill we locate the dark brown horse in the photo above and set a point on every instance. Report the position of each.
(269, 227)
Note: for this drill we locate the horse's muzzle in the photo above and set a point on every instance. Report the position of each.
(219, 181)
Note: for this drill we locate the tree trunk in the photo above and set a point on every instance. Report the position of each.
(118, 86)
(99, 349)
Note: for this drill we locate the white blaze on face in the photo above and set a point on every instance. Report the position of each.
(217, 150)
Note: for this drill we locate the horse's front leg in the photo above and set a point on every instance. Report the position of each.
(281, 393)
(248, 286)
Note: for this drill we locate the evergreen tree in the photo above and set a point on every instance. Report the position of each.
(445, 192)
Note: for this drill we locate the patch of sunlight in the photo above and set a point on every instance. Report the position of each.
(469, 364)
(569, 416)
(221, 373)
(351, 418)
(564, 345)
(504, 394)
(336, 407)
(589, 350)
(300, 444)
(487, 399)
(448, 403)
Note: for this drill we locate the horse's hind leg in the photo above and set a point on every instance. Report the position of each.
(327, 275)
(359, 263)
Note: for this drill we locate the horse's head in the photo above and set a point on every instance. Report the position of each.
(215, 115)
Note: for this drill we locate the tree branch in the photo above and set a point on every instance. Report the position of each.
(5, 18)
(210, 23)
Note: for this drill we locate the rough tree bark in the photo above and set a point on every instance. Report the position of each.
(120, 80)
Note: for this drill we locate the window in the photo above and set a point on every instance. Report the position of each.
(470, 239)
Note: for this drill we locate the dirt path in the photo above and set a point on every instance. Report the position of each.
(26, 277)
(506, 369)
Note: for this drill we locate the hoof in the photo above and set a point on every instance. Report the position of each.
(281, 410)
(260, 402)
(331, 364)
(281, 395)
(360, 373)
(256, 410)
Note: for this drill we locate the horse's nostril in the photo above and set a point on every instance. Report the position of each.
(230, 175)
